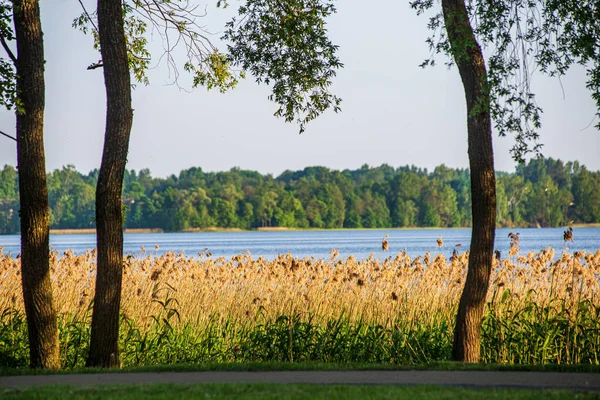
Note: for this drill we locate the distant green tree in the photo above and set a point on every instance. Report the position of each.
(314, 213)
(9, 200)
(224, 213)
(245, 214)
(547, 204)
(413, 198)
(9, 188)
(502, 205)
(354, 210)
(406, 191)
(290, 212)
(335, 207)
(71, 199)
(406, 214)
(439, 206)
(376, 212)
(185, 215)
(586, 196)
(264, 210)
(429, 216)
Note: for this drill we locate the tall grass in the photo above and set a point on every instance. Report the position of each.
(176, 308)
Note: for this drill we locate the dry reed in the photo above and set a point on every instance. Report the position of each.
(418, 290)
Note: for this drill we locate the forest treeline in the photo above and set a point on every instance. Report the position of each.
(543, 192)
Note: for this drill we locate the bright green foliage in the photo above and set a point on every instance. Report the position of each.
(14, 346)
(523, 36)
(9, 200)
(584, 194)
(544, 192)
(8, 183)
(541, 333)
(217, 75)
(138, 56)
(8, 81)
(534, 334)
(8, 88)
(70, 194)
(176, 22)
(285, 43)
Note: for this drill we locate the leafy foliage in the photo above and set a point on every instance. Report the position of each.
(523, 36)
(544, 192)
(176, 23)
(285, 43)
(8, 79)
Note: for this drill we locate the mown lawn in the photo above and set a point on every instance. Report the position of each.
(280, 391)
(313, 366)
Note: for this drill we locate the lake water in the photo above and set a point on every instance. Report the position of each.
(318, 244)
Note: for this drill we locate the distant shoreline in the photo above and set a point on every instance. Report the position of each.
(90, 231)
(212, 229)
(590, 225)
(271, 229)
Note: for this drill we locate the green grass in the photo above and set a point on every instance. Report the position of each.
(279, 391)
(531, 339)
(311, 366)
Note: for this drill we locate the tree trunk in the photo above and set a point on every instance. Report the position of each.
(471, 65)
(104, 349)
(35, 217)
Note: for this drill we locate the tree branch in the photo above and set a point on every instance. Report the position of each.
(8, 50)
(98, 64)
(88, 17)
(8, 136)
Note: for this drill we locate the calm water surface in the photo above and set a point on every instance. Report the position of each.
(318, 244)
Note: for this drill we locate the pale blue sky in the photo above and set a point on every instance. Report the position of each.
(392, 112)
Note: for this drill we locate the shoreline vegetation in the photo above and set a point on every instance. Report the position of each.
(542, 193)
(85, 231)
(540, 310)
(590, 225)
(266, 229)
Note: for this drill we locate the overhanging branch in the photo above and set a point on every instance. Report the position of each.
(88, 16)
(8, 136)
(95, 65)
(8, 50)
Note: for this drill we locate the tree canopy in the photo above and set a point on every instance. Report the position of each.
(521, 37)
(282, 44)
(543, 192)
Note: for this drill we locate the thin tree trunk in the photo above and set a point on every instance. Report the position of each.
(104, 349)
(471, 65)
(35, 217)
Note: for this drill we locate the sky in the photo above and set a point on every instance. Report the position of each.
(393, 111)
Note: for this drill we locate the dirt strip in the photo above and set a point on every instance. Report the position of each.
(532, 380)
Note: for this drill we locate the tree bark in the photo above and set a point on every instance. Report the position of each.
(35, 216)
(471, 65)
(104, 349)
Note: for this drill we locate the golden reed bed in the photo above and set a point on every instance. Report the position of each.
(378, 291)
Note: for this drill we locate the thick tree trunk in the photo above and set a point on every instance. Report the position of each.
(471, 65)
(35, 216)
(104, 349)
